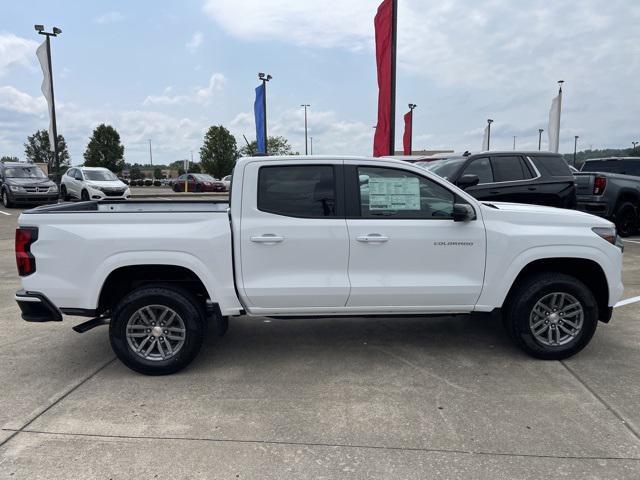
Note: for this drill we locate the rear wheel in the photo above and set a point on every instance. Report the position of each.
(6, 201)
(626, 219)
(551, 315)
(157, 330)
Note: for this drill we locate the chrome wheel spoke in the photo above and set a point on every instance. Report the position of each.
(556, 319)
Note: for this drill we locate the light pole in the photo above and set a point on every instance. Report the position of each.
(489, 122)
(575, 149)
(540, 130)
(634, 144)
(150, 154)
(514, 142)
(311, 145)
(306, 150)
(411, 107)
(54, 33)
(265, 78)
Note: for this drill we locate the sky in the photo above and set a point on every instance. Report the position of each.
(166, 71)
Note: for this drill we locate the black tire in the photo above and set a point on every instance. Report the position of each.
(626, 219)
(180, 302)
(522, 301)
(64, 194)
(6, 200)
(84, 196)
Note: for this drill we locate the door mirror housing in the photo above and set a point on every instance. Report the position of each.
(463, 212)
(467, 180)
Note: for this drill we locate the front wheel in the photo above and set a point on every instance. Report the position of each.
(64, 194)
(551, 316)
(84, 196)
(157, 330)
(6, 201)
(626, 219)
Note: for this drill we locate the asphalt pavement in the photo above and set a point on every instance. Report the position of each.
(347, 398)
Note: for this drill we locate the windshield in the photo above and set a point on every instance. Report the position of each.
(24, 172)
(99, 175)
(206, 178)
(444, 167)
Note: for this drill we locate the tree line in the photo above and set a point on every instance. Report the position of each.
(218, 153)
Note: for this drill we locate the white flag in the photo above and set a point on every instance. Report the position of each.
(41, 53)
(554, 123)
(485, 139)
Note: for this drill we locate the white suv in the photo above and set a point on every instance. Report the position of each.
(92, 183)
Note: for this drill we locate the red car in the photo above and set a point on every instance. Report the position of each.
(197, 182)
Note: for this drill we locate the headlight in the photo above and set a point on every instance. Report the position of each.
(95, 187)
(606, 233)
(15, 188)
(53, 189)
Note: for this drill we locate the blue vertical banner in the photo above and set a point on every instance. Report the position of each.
(259, 111)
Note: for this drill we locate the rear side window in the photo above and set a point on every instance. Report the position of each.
(612, 166)
(297, 190)
(554, 166)
(510, 169)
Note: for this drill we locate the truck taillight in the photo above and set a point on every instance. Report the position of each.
(26, 262)
(599, 183)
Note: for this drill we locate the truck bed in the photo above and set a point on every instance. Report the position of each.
(127, 206)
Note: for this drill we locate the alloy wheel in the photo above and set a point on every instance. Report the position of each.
(556, 319)
(155, 332)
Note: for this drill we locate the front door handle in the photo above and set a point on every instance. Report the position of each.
(372, 238)
(267, 238)
(532, 189)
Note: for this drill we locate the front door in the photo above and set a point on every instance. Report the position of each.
(294, 243)
(407, 253)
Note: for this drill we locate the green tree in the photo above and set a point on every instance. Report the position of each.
(104, 149)
(218, 154)
(37, 149)
(157, 172)
(135, 173)
(275, 146)
(6, 158)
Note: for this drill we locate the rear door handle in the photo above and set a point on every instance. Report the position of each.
(372, 238)
(267, 238)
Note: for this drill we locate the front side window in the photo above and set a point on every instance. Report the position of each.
(480, 167)
(509, 169)
(78, 175)
(392, 193)
(297, 190)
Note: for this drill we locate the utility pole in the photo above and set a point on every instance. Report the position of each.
(311, 145)
(306, 149)
(264, 77)
(411, 107)
(150, 154)
(56, 155)
(575, 149)
(540, 130)
(489, 122)
(514, 142)
(634, 144)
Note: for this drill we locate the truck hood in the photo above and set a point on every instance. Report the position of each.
(29, 182)
(520, 213)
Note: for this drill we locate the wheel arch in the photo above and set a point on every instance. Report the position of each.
(588, 271)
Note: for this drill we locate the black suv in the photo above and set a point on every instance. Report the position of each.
(539, 178)
(22, 182)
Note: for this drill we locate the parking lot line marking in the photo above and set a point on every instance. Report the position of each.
(627, 301)
(5, 213)
(631, 241)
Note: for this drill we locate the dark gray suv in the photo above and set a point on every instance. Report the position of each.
(25, 183)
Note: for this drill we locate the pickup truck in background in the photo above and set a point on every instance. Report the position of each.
(610, 188)
(316, 237)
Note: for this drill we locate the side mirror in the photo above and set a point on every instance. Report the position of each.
(463, 212)
(468, 180)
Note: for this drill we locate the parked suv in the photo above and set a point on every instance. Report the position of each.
(22, 182)
(539, 178)
(92, 183)
(610, 188)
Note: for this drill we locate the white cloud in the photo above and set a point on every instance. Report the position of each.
(109, 17)
(216, 83)
(14, 100)
(195, 42)
(16, 51)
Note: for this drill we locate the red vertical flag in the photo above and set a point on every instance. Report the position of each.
(385, 26)
(408, 129)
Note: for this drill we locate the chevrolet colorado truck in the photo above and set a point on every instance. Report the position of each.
(316, 237)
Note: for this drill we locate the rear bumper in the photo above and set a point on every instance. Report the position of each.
(36, 307)
(594, 207)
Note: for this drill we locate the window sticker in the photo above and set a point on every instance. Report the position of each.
(394, 193)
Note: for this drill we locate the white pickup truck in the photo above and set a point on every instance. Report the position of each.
(316, 236)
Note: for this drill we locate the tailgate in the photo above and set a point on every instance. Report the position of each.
(584, 183)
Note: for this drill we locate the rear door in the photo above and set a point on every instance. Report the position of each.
(407, 253)
(294, 243)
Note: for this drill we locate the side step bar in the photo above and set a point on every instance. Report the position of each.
(93, 323)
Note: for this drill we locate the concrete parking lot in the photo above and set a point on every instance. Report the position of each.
(339, 398)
